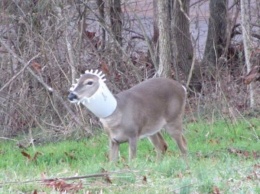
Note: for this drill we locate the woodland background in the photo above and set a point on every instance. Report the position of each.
(211, 46)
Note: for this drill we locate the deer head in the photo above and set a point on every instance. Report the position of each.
(92, 92)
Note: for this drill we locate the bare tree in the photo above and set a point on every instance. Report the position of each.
(182, 46)
(155, 45)
(246, 31)
(101, 9)
(164, 39)
(155, 22)
(116, 30)
(216, 37)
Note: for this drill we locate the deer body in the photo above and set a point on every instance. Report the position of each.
(143, 111)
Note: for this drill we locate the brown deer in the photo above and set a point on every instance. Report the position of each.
(142, 111)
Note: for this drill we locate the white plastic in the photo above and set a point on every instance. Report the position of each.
(102, 103)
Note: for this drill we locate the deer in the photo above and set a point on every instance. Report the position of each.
(139, 112)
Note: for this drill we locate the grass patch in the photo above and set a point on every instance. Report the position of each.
(223, 158)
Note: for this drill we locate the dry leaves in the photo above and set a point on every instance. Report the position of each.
(106, 176)
(144, 180)
(90, 35)
(36, 67)
(29, 157)
(104, 67)
(244, 153)
(215, 190)
(255, 174)
(61, 186)
(253, 75)
(70, 155)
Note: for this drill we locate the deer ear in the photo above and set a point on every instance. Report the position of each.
(72, 87)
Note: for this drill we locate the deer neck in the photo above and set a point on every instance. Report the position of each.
(102, 103)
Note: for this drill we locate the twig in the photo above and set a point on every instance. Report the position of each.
(197, 2)
(192, 64)
(6, 138)
(71, 60)
(182, 10)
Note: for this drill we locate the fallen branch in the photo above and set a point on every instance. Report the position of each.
(78, 177)
(97, 175)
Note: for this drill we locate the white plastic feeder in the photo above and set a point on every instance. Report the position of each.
(102, 103)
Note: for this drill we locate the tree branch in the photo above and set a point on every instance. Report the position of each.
(16, 75)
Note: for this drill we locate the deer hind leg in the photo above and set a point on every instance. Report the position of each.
(176, 131)
(159, 144)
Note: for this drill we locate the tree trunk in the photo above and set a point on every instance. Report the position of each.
(164, 39)
(116, 20)
(182, 47)
(116, 28)
(155, 23)
(246, 31)
(216, 38)
(101, 9)
(154, 55)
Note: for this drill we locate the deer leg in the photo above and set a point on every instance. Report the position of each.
(132, 147)
(159, 144)
(114, 150)
(176, 131)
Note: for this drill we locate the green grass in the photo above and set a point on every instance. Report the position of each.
(223, 157)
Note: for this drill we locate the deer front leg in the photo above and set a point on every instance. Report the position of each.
(114, 150)
(132, 147)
